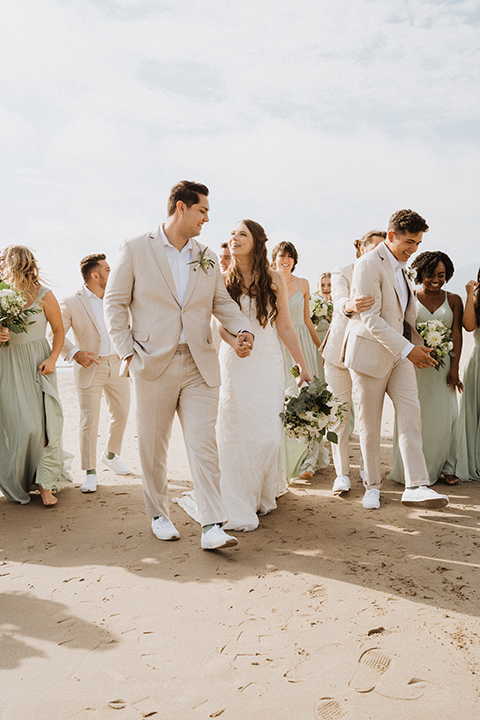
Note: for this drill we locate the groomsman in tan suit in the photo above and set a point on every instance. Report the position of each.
(161, 295)
(381, 349)
(96, 370)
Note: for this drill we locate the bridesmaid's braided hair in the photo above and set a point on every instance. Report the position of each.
(261, 288)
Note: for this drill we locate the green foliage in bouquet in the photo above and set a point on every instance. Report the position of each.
(311, 415)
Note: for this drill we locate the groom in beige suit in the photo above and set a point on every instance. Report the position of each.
(161, 295)
(381, 349)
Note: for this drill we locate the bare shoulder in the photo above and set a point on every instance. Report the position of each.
(455, 301)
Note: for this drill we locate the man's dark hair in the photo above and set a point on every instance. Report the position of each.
(186, 191)
(425, 264)
(285, 248)
(89, 263)
(407, 221)
(224, 245)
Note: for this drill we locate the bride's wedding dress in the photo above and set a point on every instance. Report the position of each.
(249, 428)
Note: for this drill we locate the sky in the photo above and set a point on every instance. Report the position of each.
(316, 118)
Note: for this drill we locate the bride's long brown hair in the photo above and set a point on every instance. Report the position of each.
(261, 287)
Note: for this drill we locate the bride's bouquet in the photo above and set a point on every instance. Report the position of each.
(320, 308)
(437, 335)
(12, 314)
(310, 415)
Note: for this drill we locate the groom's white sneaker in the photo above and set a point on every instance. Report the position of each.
(216, 538)
(90, 484)
(423, 496)
(341, 484)
(371, 499)
(164, 529)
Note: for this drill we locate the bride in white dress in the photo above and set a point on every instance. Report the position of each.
(249, 428)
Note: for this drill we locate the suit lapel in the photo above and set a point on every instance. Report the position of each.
(156, 243)
(389, 270)
(195, 271)
(88, 308)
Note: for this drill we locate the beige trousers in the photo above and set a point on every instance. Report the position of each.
(339, 382)
(401, 386)
(117, 395)
(179, 388)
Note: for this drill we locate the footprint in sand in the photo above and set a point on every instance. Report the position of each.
(373, 664)
(328, 708)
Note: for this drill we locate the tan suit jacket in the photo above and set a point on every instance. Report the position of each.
(77, 314)
(332, 348)
(374, 338)
(144, 315)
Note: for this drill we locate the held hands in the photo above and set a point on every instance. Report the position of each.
(4, 334)
(420, 357)
(243, 344)
(47, 366)
(85, 359)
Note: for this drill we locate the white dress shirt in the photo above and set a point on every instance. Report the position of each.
(106, 347)
(179, 265)
(402, 289)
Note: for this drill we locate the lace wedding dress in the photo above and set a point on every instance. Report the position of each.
(249, 428)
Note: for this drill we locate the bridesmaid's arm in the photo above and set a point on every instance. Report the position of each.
(285, 328)
(51, 308)
(453, 379)
(305, 287)
(469, 319)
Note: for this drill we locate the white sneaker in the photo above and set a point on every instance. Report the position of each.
(115, 464)
(341, 484)
(371, 499)
(216, 538)
(423, 496)
(90, 484)
(164, 529)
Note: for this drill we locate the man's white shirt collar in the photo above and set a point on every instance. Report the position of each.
(167, 243)
(396, 264)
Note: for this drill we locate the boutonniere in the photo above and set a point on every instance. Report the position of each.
(203, 262)
(411, 274)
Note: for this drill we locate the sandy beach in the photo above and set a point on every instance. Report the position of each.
(327, 610)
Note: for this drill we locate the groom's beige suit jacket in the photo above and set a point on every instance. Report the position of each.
(374, 339)
(144, 315)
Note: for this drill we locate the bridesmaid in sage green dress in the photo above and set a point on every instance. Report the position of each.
(468, 466)
(301, 459)
(437, 386)
(31, 419)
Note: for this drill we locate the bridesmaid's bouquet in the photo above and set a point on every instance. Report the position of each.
(320, 308)
(437, 335)
(12, 313)
(310, 415)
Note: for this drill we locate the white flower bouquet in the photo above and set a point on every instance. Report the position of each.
(311, 415)
(12, 313)
(320, 308)
(437, 335)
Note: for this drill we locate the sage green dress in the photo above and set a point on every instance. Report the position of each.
(302, 457)
(468, 465)
(31, 418)
(439, 411)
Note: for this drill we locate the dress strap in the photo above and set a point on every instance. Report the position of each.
(42, 292)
